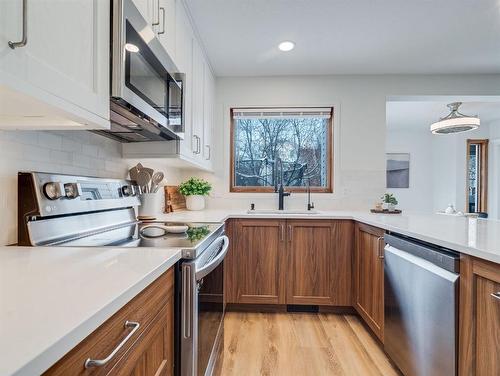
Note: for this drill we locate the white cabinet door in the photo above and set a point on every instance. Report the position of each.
(66, 58)
(198, 99)
(184, 61)
(208, 115)
(146, 8)
(167, 27)
(11, 29)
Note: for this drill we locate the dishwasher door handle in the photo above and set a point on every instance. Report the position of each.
(496, 295)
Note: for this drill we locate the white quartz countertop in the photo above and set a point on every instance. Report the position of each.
(475, 237)
(51, 298)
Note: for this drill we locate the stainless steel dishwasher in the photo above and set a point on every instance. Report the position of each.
(420, 306)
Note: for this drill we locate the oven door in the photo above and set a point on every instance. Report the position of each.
(202, 311)
(143, 75)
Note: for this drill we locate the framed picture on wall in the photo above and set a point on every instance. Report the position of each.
(398, 170)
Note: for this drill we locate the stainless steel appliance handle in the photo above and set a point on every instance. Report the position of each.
(89, 363)
(496, 295)
(24, 38)
(163, 25)
(187, 304)
(205, 270)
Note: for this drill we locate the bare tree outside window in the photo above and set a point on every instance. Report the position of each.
(301, 141)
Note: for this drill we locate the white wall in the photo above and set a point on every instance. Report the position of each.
(360, 127)
(418, 197)
(437, 167)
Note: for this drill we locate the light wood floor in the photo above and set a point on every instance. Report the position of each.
(299, 344)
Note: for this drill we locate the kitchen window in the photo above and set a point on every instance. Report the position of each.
(301, 137)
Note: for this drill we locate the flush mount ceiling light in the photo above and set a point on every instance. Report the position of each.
(131, 47)
(455, 122)
(286, 46)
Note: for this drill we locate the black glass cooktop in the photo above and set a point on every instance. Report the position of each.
(191, 237)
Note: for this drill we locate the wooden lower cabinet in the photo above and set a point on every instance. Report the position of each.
(319, 262)
(274, 261)
(256, 265)
(148, 352)
(369, 276)
(479, 316)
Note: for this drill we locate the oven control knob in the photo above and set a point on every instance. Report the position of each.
(72, 190)
(128, 190)
(53, 190)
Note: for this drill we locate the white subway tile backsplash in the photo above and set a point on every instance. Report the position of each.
(66, 152)
(50, 140)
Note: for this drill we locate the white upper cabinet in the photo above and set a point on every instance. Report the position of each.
(208, 115)
(59, 76)
(198, 100)
(167, 28)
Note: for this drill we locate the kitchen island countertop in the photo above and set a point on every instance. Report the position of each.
(51, 298)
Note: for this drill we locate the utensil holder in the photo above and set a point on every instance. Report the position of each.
(152, 204)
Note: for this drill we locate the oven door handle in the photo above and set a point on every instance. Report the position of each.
(206, 269)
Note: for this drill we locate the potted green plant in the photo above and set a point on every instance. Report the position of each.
(389, 201)
(195, 191)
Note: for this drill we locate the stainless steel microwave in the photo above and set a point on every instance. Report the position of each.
(146, 86)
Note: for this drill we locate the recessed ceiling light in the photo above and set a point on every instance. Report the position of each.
(286, 46)
(131, 47)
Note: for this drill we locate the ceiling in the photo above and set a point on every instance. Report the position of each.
(418, 115)
(349, 36)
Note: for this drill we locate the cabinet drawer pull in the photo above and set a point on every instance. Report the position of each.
(496, 295)
(163, 26)
(24, 39)
(89, 363)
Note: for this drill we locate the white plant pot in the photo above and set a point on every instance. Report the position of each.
(195, 202)
(390, 207)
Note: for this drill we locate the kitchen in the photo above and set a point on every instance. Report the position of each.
(310, 289)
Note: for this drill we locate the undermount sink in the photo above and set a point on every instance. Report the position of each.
(281, 212)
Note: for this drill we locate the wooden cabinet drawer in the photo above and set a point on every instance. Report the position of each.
(142, 309)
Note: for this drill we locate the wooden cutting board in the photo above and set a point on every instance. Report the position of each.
(174, 201)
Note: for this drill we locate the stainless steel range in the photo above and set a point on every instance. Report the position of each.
(66, 210)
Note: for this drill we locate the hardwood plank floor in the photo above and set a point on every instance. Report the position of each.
(287, 344)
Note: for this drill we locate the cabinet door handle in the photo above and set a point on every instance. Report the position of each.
(380, 249)
(89, 363)
(163, 26)
(157, 22)
(24, 39)
(496, 295)
(209, 152)
(282, 232)
(197, 146)
(290, 233)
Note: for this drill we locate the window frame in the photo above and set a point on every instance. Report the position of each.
(482, 175)
(260, 189)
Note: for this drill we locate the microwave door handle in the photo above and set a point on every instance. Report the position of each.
(207, 269)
